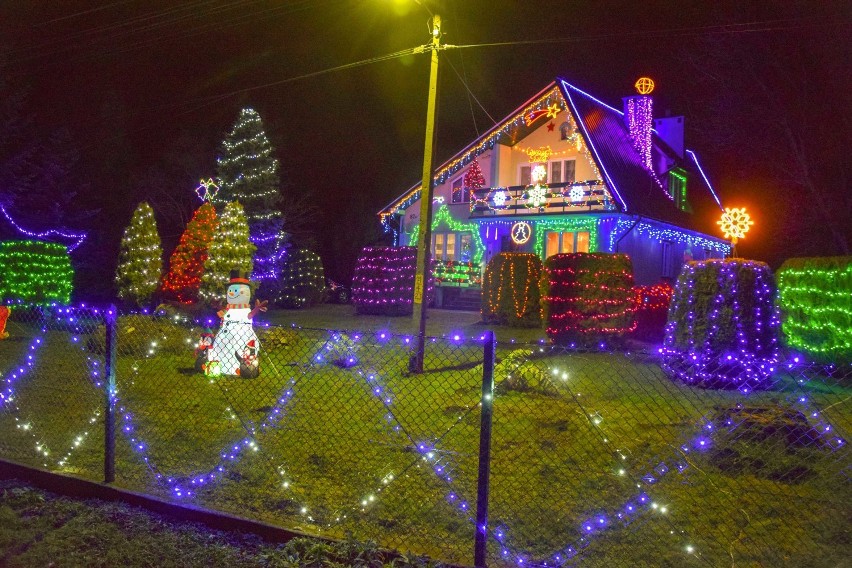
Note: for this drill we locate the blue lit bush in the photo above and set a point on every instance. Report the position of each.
(722, 325)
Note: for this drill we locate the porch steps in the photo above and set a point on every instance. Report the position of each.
(467, 299)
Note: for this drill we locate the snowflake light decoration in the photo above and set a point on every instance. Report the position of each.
(537, 197)
(576, 194)
(735, 223)
(499, 198)
(538, 174)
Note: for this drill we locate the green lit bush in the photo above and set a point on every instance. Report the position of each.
(302, 280)
(815, 299)
(589, 297)
(511, 290)
(35, 272)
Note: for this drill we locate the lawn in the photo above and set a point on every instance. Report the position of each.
(370, 452)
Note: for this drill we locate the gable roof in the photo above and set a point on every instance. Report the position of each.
(635, 189)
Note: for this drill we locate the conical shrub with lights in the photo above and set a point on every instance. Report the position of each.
(511, 290)
(247, 171)
(302, 280)
(186, 265)
(229, 250)
(140, 261)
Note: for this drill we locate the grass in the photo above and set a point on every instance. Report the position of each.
(342, 461)
(38, 528)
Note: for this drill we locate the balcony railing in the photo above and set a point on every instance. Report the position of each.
(555, 198)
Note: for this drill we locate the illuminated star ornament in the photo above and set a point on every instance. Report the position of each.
(207, 190)
(735, 223)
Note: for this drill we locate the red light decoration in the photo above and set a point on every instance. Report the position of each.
(186, 264)
(590, 295)
(384, 281)
(652, 308)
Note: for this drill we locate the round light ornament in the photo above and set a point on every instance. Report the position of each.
(644, 86)
(521, 232)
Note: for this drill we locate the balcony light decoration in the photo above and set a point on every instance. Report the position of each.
(35, 272)
(140, 262)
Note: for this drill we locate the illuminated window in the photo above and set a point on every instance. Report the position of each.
(562, 171)
(565, 242)
(525, 175)
(451, 246)
(438, 247)
(677, 188)
(460, 194)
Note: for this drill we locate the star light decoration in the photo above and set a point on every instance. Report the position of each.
(207, 190)
(735, 223)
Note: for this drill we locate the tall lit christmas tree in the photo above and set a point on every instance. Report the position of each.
(247, 171)
(186, 264)
(230, 249)
(140, 261)
(474, 179)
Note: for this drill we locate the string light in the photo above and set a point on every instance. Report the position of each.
(511, 289)
(140, 261)
(207, 190)
(384, 281)
(302, 280)
(80, 237)
(815, 299)
(230, 249)
(670, 234)
(186, 264)
(442, 215)
(35, 272)
(589, 295)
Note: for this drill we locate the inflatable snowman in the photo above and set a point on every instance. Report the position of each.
(236, 336)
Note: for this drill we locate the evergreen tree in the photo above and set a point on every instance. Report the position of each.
(186, 264)
(302, 280)
(140, 261)
(229, 250)
(247, 172)
(474, 179)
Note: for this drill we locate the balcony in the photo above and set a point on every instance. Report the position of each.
(552, 199)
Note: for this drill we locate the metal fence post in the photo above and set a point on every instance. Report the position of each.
(486, 413)
(110, 321)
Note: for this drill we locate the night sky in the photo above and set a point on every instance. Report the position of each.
(147, 90)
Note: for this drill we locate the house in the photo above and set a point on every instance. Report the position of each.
(567, 172)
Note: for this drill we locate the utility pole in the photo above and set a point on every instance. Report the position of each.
(424, 240)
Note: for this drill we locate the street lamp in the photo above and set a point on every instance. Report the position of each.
(424, 239)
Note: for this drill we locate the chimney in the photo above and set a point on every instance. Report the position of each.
(670, 129)
(639, 116)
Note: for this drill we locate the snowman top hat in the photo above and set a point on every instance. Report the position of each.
(239, 277)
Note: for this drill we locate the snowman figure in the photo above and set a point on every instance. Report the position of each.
(236, 332)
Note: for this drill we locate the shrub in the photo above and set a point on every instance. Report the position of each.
(652, 310)
(815, 301)
(589, 297)
(511, 290)
(384, 281)
(35, 272)
(722, 325)
(302, 280)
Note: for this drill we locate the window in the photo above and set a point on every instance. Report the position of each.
(444, 245)
(438, 248)
(677, 188)
(466, 247)
(562, 171)
(564, 242)
(525, 175)
(460, 194)
(667, 251)
(451, 247)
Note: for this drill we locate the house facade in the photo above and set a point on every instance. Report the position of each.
(567, 172)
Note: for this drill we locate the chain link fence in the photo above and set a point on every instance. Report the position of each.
(597, 457)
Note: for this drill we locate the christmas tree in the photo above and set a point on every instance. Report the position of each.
(474, 179)
(302, 280)
(187, 261)
(229, 250)
(247, 172)
(140, 261)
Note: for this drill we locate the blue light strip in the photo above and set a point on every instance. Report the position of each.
(674, 235)
(706, 181)
(80, 237)
(600, 102)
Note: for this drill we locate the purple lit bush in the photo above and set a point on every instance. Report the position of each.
(384, 281)
(722, 326)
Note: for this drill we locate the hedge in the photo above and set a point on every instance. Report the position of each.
(589, 297)
(815, 300)
(511, 290)
(384, 281)
(35, 272)
(722, 326)
(302, 280)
